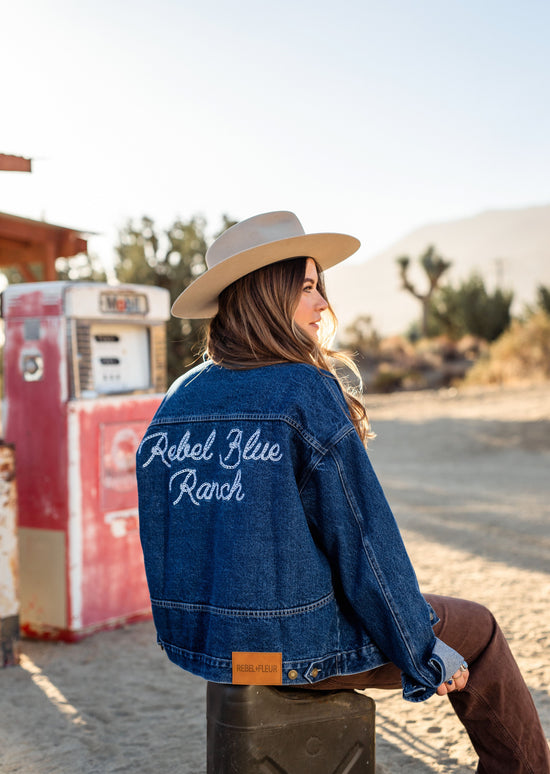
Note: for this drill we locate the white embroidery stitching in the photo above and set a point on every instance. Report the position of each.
(255, 449)
(207, 490)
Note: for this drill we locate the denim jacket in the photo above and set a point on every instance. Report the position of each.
(265, 529)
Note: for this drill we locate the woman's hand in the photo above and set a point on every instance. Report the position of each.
(457, 683)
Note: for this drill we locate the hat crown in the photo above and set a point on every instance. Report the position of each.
(253, 232)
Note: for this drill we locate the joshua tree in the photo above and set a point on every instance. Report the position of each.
(434, 266)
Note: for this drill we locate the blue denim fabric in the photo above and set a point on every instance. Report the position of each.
(265, 529)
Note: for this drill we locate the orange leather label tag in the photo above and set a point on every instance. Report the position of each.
(257, 668)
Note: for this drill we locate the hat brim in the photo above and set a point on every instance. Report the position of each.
(200, 298)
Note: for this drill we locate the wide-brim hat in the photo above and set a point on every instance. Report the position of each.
(251, 244)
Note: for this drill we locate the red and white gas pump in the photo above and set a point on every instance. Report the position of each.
(84, 371)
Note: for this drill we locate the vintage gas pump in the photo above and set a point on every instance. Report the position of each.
(84, 371)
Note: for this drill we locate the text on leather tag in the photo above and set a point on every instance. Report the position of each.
(257, 668)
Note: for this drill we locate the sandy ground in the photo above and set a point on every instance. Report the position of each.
(468, 476)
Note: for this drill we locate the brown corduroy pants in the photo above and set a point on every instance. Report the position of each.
(496, 707)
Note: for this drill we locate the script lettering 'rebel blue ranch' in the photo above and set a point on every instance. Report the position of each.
(227, 454)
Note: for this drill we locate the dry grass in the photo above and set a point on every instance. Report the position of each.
(521, 354)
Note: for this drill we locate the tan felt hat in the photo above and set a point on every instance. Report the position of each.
(251, 244)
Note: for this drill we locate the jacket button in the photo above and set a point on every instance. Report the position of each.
(293, 674)
(314, 672)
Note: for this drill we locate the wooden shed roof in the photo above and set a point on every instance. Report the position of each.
(33, 246)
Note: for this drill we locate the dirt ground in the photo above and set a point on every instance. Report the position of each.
(468, 476)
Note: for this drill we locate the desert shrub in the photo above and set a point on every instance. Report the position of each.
(438, 348)
(396, 349)
(362, 337)
(522, 353)
(470, 309)
(387, 379)
(543, 298)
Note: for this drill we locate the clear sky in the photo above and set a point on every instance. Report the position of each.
(366, 117)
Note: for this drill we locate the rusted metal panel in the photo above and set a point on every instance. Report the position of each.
(35, 395)
(9, 564)
(107, 578)
(89, 574)
(43, 580)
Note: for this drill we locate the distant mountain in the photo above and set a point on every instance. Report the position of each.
(510, 248)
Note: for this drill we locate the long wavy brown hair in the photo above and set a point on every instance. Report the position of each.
(255, 327)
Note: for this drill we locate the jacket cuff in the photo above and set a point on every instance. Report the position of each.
(444, 662)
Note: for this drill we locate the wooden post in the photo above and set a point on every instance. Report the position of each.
(9, 560)
(49, 254)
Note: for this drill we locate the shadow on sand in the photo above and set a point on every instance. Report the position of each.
(481, 486)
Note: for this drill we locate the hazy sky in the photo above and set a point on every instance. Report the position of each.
(367, 117)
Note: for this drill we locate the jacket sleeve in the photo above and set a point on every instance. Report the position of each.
(354, 526)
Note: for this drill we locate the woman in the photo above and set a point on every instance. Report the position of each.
(271, 553)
